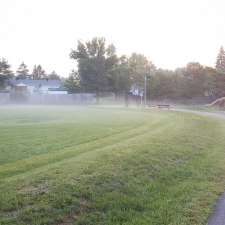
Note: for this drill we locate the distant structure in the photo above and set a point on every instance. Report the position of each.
(33, 91)
(44, 91)
(44, 86)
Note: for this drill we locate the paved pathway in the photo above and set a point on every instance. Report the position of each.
(203, 113)
(218, 216)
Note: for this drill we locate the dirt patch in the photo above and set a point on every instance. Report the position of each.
(35, 190)
(69, 219)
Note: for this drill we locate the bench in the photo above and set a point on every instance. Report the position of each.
(163, 106)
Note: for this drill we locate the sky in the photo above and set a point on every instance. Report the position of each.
(170, 33)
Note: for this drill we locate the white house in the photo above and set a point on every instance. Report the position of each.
(44, 86)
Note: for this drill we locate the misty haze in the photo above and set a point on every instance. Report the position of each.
(112, 112)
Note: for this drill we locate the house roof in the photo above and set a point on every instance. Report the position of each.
(36, 83)
(21, 85)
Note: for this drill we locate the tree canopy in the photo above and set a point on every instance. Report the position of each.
(96, 62)
(22, 72)
(5, 72)
(72, 83)
(100, 69)
(220, 61)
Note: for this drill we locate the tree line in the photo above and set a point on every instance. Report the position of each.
(101, 70)
(22, 72)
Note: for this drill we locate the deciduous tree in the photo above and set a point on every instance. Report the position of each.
(72, 83)
(96, 61)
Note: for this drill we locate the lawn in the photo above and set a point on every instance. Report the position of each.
(108, 166)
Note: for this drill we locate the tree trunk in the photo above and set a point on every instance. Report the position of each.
(97, 97)
(126, 98)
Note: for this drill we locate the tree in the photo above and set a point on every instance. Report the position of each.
(22, 71)
(5, 72)
(41, 72)
(140, 66)
(192, 81)
(210, 82)
(163, 84)
(38, 73)
(96, 62)
(53, 76)
(72, 83)
(219, 90)
(121, 80)
(220, 62)
(34, 74)
(194, 75)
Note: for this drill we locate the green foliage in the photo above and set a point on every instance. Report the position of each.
(5, 72)
(121, 80)
(220, 61)
(163, 84)
(38, 74)
(194, 80)
(22, 72)
(139, 67)
(96, 61)
(101, 70)
(53, 76)
(72, 83)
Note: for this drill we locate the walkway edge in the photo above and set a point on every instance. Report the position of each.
(218, 215)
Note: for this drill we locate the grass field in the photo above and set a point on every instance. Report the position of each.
(86, 166)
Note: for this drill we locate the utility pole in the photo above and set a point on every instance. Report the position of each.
(145, 91)
(147, 78)
(149, 91)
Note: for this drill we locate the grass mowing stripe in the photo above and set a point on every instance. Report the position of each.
(169, 173)
(48, 160)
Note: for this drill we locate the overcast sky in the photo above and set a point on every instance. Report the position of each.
(169, 32)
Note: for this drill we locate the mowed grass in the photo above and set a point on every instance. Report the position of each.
(95, 165)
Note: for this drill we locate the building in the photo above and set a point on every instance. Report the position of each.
(44, 86)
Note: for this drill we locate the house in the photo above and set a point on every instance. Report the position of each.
(44, 86)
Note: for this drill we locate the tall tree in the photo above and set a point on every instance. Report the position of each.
(22, 71)
(38, 73)
(140, 66)
(220, 62)
(163, 84)
(121, 79)
(34, 74)
(41, 72)
(53, 76)
(210, 82)
(5, 72)
(194, 79)
(95, 64)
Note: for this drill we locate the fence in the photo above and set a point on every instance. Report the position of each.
(82, 98)
(90, 98)
(4, 98)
